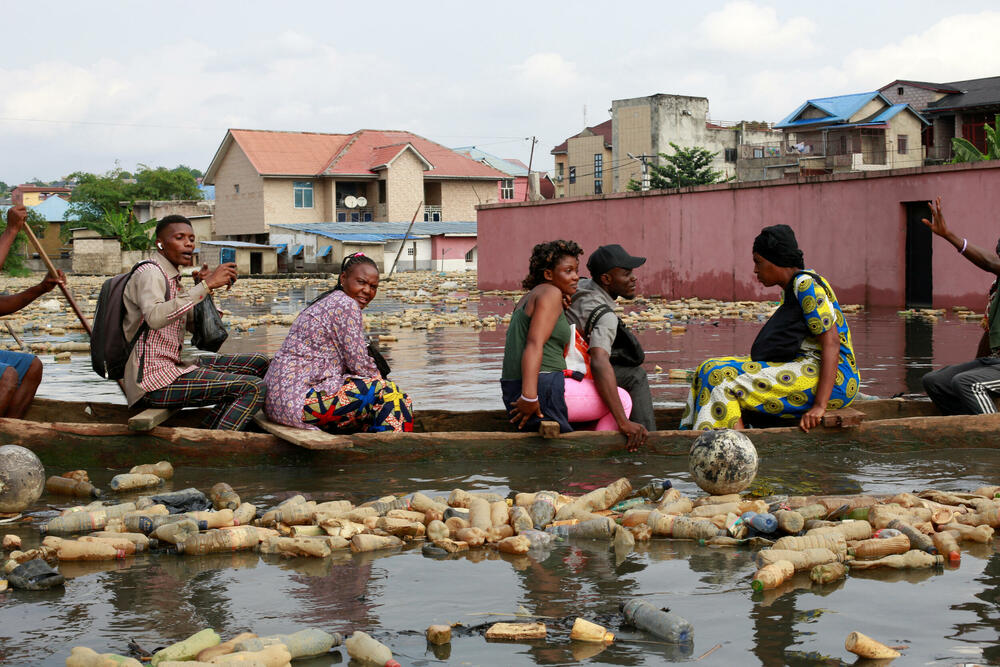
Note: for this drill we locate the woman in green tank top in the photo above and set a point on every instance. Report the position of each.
(533, 356)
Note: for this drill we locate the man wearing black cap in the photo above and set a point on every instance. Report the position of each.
(615, 355)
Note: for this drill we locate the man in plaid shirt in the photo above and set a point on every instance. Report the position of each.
(155, 373)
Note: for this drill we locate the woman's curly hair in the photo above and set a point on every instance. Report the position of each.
(546, 256)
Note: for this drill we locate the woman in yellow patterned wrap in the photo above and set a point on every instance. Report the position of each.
(821, 374)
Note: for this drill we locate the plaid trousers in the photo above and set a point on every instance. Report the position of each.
(233, 383)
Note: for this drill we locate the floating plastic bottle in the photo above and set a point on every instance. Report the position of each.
(681, 505)
(827, 573)
(988, 517)
(653, 491)
(885, 533)
(220, 519)
(189, 648)
(790, 521)
(364, 543)
(542, 509)
(479, 513)
(602, 528)
(220, 541)
(947, 545)
(520, 520)
(291, 515)
(685, 528)
(851, 530)
(516, 545)
(77, 522)
(64, 486)
(773, 575)
(539, 538)
(302, 644)
(802, 560)
(244, 514)
(917, 539)
(131, 482)
(224, 648)
(74, 550)
(223, 497)
(663, 624)
(383, 507)
(83, 656)
(120, 543)
(585, 631)
(866, 647)
(835, 542)
(814, 511)
(628, 504)
(981, 534)
(763, 523)
(912, 559)
(877, 548)
(176, 531)
(369, 651)
(161, 469)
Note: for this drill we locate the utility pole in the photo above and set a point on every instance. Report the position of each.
(642, 159)
(531, 157)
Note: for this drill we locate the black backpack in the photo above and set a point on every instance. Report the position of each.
(109, 349)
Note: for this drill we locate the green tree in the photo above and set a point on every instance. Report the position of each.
(95, 195)
(19, 251)
(687, 166)
(964, 151)
(162, 183)
(4, 189)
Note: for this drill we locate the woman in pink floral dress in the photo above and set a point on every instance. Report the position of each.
(323, 377)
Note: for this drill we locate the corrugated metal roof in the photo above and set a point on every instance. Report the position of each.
(297, 250)
(839, 109)
(498, 163)
(324, 251)
(282, 247)
(380, 231)
(54, 209)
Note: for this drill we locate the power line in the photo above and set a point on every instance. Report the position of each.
(108, 123)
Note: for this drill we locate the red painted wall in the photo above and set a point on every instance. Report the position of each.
(851, 228)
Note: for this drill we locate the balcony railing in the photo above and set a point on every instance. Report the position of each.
(355, 214)
(432, 213)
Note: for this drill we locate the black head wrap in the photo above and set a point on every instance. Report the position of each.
(777, 245)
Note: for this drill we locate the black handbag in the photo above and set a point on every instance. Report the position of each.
(781, 337)
(208, 330)
(380, 363)
(626, 349)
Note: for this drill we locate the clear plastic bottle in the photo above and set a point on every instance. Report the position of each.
(598, 529)
(161, 469)
(663, 624)
(77, 522)
(131, 482)
(368, 651)
(827, 573)
(64, 486)
(652, 491)
(773, 575)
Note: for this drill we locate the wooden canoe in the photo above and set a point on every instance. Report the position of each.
(83, 435)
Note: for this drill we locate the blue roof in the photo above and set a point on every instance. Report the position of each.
(379, 232)
(207, 191)
(838, 109)
(296, 251)
(54, 209)
(324, 251)
(235, 244)
(498, 163)
(281, 247)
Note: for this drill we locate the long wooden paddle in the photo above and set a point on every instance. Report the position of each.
(62, 286)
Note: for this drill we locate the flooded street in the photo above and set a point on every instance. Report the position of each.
(949, 616)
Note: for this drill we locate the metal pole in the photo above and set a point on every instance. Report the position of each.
(403, 242)
(531, 157)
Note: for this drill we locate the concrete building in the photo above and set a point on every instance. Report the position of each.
(861, 230)
(265, 178)
(199, 212)
(102, 256)
(55, 210)
(954, 109)
(581, 161)
(648, 125)
(858, 132)
(32, 195)
(251, 258)
(429, 246)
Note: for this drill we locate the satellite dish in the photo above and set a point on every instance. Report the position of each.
(362, 202)
(350, 201)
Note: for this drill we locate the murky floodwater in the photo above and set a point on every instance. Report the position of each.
(950, 616)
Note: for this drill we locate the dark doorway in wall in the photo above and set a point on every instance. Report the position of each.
(919, 252)
(255, 262)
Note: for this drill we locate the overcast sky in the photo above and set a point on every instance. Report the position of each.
(86, 84)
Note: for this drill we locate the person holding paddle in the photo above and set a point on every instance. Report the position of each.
(801, 363)
(324, 376)
(20, 373)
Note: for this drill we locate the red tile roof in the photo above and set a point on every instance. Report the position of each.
(359, 153)
(288, 153)
(368, 148)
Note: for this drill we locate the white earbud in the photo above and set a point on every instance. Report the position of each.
(160, 246)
